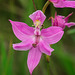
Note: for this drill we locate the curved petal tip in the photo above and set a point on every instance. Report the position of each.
(34, 57)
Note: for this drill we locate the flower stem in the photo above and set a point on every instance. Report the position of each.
(45, 6)
(34, 4)
(48, 58)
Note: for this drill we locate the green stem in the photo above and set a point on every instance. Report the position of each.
(45, 6)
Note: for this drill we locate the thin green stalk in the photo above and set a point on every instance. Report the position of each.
(45, 6)
(3, 58)
(9, 63)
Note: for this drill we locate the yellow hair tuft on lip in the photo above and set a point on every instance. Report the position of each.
(37, 23)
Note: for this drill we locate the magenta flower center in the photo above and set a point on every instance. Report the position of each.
(37, 35)
(37, 40)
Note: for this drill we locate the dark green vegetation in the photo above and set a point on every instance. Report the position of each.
(62, 60)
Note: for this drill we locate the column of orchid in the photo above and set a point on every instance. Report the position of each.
(38, 41)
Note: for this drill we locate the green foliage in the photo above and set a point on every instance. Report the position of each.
(62, 60)
(71, 31)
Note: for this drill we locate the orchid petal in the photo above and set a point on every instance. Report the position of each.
(55, 1)
(55, 38)
(34, 57)
(67, 18)
(50, 31)
(55, 21)
(25, 45)
(58, 3)
(21, 30)
(58, 15)
(38, 15)
(45, 48)
(60, 22)
(70, 24)
(69, 4)
(22, 46)
(63, 3)
(52, 34)
(61, 16)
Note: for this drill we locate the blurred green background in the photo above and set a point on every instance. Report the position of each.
(62, 60)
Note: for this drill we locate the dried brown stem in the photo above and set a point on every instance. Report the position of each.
(34, 4)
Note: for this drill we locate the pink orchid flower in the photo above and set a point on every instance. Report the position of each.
(63, 3)
(62, 21)
(34, 40)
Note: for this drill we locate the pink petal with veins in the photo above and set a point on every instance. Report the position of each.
(63, 3)
(45, 48)
(38, 15)
(70, 4)
(67, 18)
(52, 34)
(25, 45)
(21, 30)
(70, 24)
(50, 31)
(34, 57)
